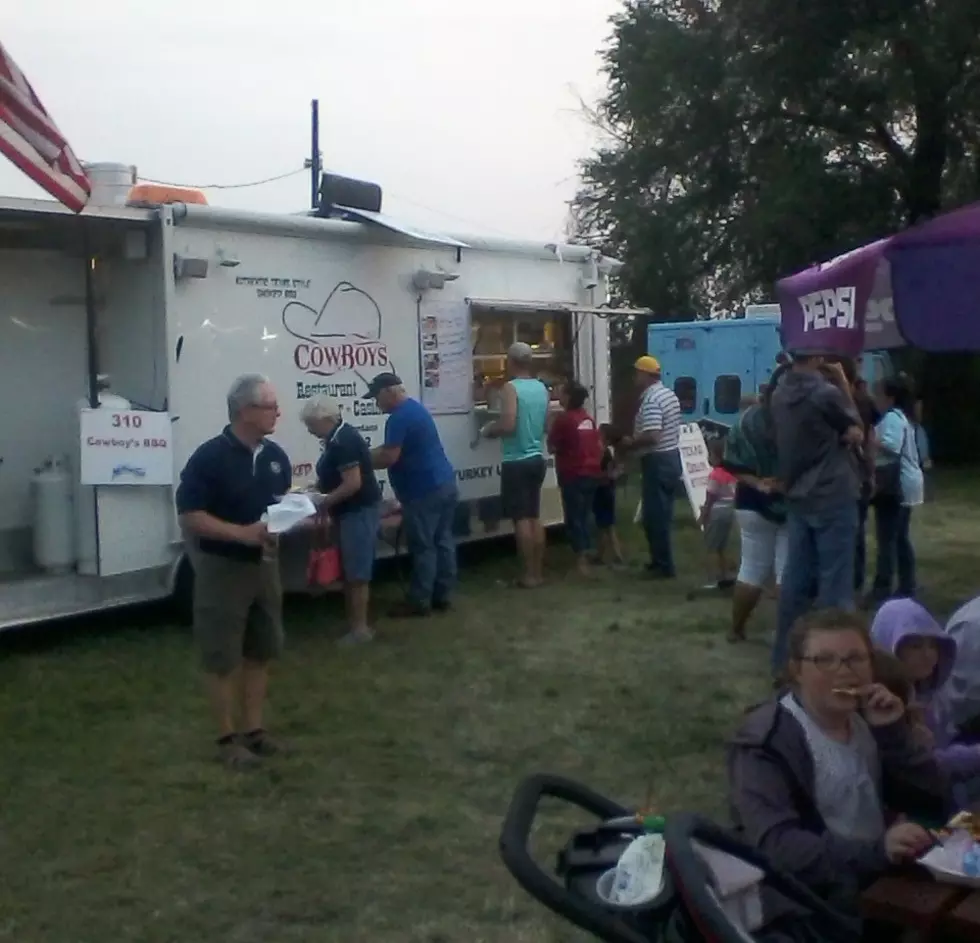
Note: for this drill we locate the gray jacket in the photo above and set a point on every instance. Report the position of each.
(772, 797)
(816, 468)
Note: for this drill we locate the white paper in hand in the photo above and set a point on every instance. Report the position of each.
(289, 512)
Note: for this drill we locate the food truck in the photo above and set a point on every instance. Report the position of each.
(123, 328)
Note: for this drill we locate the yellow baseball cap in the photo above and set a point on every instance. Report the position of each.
(647, 364)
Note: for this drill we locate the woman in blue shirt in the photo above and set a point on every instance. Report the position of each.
(898, 488)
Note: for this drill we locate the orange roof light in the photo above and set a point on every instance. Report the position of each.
(153, 194)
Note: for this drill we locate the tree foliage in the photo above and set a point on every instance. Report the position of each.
(744, 139)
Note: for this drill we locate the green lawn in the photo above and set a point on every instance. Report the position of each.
(383, 827)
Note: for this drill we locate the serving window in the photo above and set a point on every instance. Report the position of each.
(549, 335)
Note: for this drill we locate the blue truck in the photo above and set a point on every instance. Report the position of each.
(712, 365)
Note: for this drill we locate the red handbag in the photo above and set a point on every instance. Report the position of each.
(323, 567)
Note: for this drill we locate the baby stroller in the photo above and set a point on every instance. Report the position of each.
(691, 907)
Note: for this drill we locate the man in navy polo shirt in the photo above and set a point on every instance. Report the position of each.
(349, 491)
(224, 491)
(425, 484)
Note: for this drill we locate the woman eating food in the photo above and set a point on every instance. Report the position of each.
(817, 774)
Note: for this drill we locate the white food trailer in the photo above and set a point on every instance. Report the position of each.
(152, 310)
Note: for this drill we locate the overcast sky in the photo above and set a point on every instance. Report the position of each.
(468, 120)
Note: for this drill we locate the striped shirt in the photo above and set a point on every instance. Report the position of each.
(660, 411)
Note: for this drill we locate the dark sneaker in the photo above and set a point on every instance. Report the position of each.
(407, 609)
(234, 755)
(441, 605)
(260, 743)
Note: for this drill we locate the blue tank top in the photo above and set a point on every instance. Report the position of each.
(527, 439)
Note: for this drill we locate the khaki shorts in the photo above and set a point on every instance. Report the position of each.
(237, 611)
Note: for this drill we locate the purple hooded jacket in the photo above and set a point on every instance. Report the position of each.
(899, 619)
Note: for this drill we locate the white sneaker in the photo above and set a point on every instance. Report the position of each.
(356, 637)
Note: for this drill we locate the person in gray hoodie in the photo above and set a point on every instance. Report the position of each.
(818, 430)
(816, 774)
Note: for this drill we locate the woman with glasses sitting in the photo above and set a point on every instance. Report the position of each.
(817, 775)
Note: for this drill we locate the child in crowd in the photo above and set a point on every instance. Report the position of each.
(718, 515)
(604, 500)
(809, 771)
(904, 628)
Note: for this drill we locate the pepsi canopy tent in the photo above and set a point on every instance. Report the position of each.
(919, 287)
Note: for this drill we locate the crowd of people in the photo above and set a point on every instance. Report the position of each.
(810, 459)
(872, 736)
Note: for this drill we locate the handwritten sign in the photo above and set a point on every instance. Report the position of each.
(695, 466)
(126, 447)
(447, 357)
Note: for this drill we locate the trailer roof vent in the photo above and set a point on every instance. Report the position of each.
(338, 194)
(153, 194)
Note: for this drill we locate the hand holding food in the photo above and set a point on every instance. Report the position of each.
(906, 841)
(878, 705)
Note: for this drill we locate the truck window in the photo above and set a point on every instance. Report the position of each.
(728, 393)
(686, 390)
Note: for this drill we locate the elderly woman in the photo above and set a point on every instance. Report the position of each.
(349, 492)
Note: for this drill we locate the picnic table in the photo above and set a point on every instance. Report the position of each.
(914, 900)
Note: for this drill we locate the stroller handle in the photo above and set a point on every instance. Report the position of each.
(514, 838)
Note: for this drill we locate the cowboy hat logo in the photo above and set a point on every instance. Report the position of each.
(349, 312)
(343, 336)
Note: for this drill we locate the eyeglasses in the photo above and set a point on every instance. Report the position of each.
(268, 406)
(830, 663)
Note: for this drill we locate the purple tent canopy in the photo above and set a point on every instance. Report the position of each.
(920, 287)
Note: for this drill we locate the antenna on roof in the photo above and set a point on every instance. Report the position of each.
(314, 163)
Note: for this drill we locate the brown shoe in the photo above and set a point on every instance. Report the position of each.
(234, 755)
(260, 744)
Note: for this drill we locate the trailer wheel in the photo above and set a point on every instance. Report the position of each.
(182, 600)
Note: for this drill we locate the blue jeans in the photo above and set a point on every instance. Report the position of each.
(821, 548)
(894, 547)
(661, 482)
(577, 495)
(428, 524)
(357, 535)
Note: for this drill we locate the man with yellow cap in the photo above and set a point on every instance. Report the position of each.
(655, 439)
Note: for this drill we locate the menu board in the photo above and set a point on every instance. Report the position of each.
(446, 357)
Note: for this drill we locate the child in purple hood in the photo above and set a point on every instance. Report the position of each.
(912, 635)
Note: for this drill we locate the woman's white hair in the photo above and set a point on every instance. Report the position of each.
(320, 407)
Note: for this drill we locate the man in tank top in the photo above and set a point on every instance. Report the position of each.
(521, 430)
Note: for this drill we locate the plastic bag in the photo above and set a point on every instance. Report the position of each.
(293, 509)
(639, 874)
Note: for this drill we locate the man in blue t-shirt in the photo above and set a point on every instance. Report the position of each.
(425, 484)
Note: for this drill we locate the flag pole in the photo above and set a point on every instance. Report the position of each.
(91, 331)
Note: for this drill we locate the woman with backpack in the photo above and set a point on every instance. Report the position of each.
(899, 487)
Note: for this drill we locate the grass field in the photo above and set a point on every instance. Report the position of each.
(383, 826)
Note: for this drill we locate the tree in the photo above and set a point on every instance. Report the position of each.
(745, 139)
(748, 138)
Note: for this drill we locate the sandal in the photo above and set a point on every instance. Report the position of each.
(259, 743)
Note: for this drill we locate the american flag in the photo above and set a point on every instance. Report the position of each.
(33, 142)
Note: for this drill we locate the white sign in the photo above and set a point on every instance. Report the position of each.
(126, 447)
(446, 357)
(829, 308)
(695, 466)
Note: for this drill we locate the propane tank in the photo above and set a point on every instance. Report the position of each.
(54, 533)
(86, 530)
